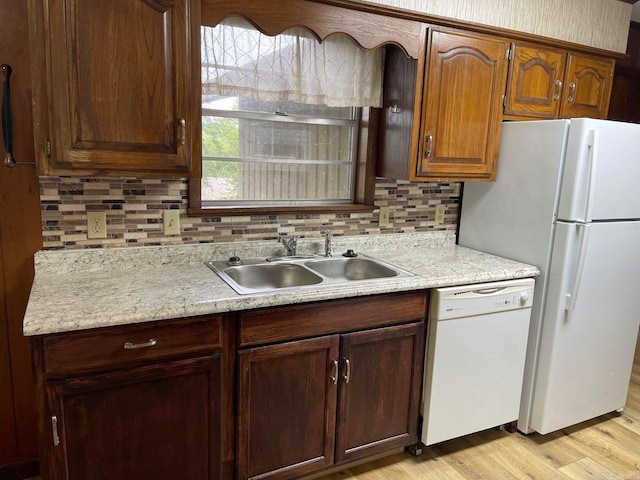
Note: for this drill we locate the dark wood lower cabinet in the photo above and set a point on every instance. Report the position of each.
(136, 402)
(379, 404)
(287, 406)
(157, 421)
(288, 421)
(336, 381)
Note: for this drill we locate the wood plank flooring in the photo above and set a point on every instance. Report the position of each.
(607, 448)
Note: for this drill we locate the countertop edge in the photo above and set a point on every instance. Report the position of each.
(70, 301)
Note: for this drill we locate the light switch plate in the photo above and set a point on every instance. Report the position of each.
(440, 210)
(96, 224)
(171, 222)
(383, 219)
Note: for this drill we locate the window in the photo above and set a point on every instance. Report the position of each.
(281, 117)
(266, 153)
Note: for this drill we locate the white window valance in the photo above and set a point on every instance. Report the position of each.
(239, 61)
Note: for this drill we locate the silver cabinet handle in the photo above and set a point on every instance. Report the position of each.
(347, 370)
(54, 429)
(572, 92)
(556, 96)
(182, 131)
(334, 377)
(429, 142)
(132, 346)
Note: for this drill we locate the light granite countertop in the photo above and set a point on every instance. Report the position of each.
(77, 290)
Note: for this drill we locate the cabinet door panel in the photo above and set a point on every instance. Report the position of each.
(535, 82)
(287, 406)
(119, 77)
(463, 107)
(378, 405)
(160, 422)
(587, 91)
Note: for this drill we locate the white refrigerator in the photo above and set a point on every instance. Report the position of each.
(567, 199)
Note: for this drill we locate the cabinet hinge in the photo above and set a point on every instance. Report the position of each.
(504, 101)
(47, 147)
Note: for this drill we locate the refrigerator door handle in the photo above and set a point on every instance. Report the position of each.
(571, 297)
(592, 143)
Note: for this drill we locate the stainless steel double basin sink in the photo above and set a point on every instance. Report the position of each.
(257, 276)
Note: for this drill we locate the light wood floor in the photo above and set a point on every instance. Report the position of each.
(607, 448)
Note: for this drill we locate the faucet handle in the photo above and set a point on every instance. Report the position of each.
(327, 243)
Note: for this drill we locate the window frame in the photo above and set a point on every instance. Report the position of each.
(352, 123)
(370, 26)
(364, 188)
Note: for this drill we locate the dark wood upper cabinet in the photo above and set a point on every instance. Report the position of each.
(534, 88)
(587, 87)
(462, 109)
(117, 86)
(550, 83)
(444, 123)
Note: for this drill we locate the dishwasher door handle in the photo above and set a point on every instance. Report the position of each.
(488, 291)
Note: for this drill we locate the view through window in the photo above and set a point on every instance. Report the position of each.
(280, 116)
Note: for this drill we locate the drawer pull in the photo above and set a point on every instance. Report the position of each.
(132, 346)
(54, 428)
(334, 377)
(347, 366)
(182, 131)
(572, 92)
(429, 142)
(556, 96)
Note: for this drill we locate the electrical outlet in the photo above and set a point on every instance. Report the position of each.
(440, 210)
(383, 219)
(96, 225)
(171, 222)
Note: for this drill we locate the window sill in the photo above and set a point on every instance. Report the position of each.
(274, 210)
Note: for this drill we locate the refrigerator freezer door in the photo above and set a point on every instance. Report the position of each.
(602, 167)
(506, 217)
(586, 353)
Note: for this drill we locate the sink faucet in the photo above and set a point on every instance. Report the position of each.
(290, 245)
(327, 243)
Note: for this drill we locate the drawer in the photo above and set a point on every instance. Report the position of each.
(118, 346)
(335, 316)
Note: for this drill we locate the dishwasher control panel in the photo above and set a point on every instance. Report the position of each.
(478, 299)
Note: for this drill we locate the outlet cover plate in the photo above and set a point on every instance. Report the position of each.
(96, 224)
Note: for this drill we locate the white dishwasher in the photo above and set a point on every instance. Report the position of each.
(474, 363)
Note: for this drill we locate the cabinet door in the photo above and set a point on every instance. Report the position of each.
(287, 408)
(587, 89)
(380, 387)
(535, 82)
(161, 421)
(466, 77)
(119, 81)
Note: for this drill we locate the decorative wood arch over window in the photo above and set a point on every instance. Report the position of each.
(369, 30)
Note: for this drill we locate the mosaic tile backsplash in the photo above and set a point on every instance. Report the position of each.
(134, 214)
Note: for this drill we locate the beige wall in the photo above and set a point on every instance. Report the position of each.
(597, 23)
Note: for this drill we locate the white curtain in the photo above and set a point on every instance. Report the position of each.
(239, 61)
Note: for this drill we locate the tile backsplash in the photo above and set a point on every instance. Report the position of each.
(134, 214)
